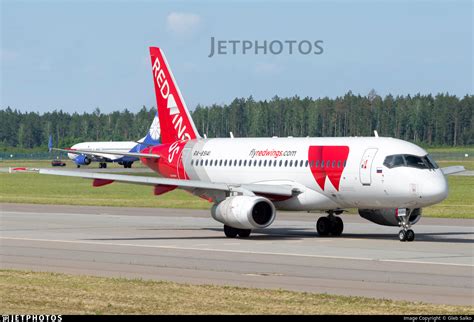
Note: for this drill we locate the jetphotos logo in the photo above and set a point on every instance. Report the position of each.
(165, 90)
(327, 161)
(265, 47)
(271, 153)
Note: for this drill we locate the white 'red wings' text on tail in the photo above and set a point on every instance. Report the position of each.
(175, 120)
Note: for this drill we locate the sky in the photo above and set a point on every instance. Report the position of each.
(80, 55)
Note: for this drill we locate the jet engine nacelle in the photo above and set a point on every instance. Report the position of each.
(388, 217)
(244, 212)
(82, 160)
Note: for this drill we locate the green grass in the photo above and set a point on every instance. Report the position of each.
(459, 149)
(44, 189)
(459, 204)
(25, 292)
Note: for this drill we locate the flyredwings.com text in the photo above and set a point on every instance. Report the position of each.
(271, 153)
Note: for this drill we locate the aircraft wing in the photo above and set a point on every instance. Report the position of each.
(453, 169)
(280, 190)
(100, 153)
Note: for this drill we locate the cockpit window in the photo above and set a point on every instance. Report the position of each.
(408, 160)
(415, 162)
(431, 161)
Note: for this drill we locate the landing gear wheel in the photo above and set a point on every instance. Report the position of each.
(410, 234)
(337, 226)
(104, 165)
(323, 226)
(230, 232)
(78, 166)
(402, 235)
(244, 233)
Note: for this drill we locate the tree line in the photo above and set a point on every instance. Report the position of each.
(441, 120)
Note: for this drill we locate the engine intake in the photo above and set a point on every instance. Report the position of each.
(244, 212)
(82, 160)
(388, 217)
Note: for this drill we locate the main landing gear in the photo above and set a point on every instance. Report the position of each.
(102, 165)
(330, 225)
(231, 232)
(406, 234)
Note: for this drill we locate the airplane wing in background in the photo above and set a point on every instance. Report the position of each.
(278, 190)
(101, 153)
(453, 169)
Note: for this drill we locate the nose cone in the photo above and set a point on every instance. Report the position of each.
(435, 189)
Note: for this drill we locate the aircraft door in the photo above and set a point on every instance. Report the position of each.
(182, 162)
(365, 168)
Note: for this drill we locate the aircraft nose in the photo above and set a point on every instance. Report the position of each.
(435, 189)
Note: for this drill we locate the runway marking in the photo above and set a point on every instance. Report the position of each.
(235, 251)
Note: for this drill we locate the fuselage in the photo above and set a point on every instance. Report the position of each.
(331, 173)
(100, 147)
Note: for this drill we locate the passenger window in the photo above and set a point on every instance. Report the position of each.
(281, 162)
(286, 163)
(306, 163)
(333, 164)
(339, 163)
(206, 163)
(225, 163)
(192, 162)
(240, 163)
(202, 162)
(275, 163)
(345, 161)
(291, 163)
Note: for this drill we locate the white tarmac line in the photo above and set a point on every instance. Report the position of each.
(234, 251)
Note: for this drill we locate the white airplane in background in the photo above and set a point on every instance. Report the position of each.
(98, 150)
(387, 180)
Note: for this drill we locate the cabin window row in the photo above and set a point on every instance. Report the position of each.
(269, 163)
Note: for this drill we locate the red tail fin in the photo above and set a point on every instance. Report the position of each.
(175, 121)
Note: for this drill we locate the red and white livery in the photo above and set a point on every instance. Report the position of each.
(248, 179)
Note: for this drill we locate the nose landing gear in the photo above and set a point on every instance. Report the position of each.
(329, 225)
(406, 234)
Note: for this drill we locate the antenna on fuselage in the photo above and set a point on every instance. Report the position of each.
(231, 135)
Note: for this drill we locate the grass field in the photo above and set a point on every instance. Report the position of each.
(50, 293)
(41, 189)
